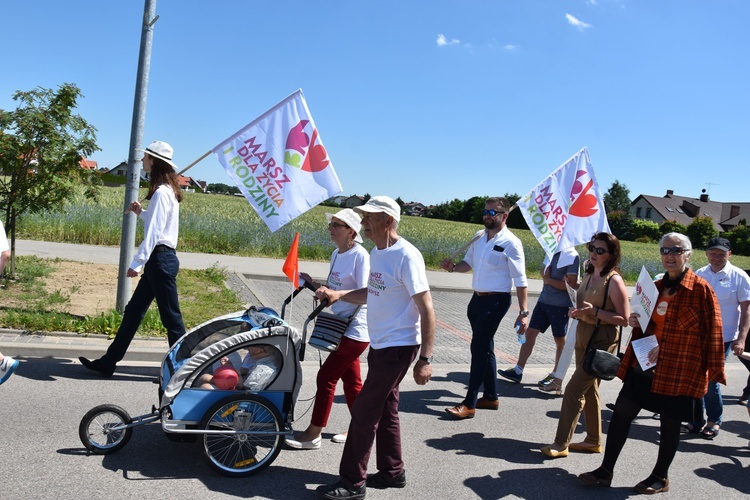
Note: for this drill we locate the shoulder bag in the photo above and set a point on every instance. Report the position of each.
(329, 327)
(597, 362)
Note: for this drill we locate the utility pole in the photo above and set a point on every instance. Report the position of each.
(127, 242)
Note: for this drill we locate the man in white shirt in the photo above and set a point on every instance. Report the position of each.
(732, 288)
(496, 256)
(400, 319)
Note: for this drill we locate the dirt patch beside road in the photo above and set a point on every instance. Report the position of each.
(91, 288)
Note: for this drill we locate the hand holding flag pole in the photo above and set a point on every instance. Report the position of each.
(178, 173)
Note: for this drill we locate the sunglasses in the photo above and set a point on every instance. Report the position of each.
(595, 249)
(674, 250)
(491, 212)
(336, 224)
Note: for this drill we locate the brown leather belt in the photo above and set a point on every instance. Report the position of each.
(482, 294)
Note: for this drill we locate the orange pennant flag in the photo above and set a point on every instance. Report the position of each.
(291, 264)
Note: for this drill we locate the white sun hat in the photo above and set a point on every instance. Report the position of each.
(161, 150)
(350, 218)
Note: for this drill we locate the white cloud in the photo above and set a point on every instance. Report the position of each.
(591, 2)
(579, 25)
(442, 41)
(510, 47)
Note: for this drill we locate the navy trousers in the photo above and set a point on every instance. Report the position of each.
(485, 313)
(158, 282)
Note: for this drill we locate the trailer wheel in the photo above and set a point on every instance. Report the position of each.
(243, 454)
(99, 431)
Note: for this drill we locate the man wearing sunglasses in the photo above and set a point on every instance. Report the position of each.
(732, 287)
(496, 257)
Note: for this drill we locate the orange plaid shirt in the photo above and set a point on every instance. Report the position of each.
(691, 351)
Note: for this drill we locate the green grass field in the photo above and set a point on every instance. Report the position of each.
(228, 225)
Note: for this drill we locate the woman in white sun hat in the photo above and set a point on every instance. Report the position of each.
(156, 256)
(349, 270)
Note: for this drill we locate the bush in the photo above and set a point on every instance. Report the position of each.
(739, 237)
(700, 231)
(671, 226)
(621, 224)
(645, 231)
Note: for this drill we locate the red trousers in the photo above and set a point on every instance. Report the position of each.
(342, 364)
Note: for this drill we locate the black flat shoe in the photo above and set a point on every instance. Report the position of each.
(652, 485)
(381, 482)
(598, 476)
(340, 490)
(97, 365)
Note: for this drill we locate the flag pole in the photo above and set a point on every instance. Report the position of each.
(180, 173)
(463, 248)
(194, 163)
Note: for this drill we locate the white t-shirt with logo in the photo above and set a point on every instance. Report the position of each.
(349, 271)
(396, 274)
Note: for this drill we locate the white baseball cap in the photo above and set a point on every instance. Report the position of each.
(381, 204)
(351, 219)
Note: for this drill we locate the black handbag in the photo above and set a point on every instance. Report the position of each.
(597, 362)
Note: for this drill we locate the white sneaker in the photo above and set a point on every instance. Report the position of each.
(7, 367)
(304, 445)
(339, 438)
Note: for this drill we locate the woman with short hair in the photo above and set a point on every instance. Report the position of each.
(687, 325)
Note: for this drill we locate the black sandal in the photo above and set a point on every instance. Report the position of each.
(710, 431)
(689, 429)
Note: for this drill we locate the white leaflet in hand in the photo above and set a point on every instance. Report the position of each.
(642, 347)
(644, 298)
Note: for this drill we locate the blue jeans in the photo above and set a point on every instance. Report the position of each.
(485, 313)
(157, 282)
(712, 402)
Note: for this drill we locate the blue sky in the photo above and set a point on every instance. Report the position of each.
(426, 100)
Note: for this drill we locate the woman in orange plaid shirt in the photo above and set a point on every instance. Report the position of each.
(690, 352)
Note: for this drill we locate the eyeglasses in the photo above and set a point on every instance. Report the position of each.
(335, 224)
(491, 212)
(674, 250)
(595, 249)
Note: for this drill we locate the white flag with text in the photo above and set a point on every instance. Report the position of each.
(279, 163)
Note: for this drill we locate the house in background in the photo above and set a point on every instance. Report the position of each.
(353, 201)
(198, 185)
(337, 200)
(122, 169)
(88, 164)
(414, 208)
(683, 209)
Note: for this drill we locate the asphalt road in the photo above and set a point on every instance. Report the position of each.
(494, 455)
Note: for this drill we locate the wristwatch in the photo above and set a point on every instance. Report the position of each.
(426, 359)
(524, 313)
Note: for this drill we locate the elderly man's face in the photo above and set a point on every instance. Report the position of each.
(374, 224)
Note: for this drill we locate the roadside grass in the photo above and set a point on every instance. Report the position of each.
(227, 225)
(27, 306)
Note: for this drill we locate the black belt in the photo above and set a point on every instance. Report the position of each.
(163, 248)
(482, 294)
